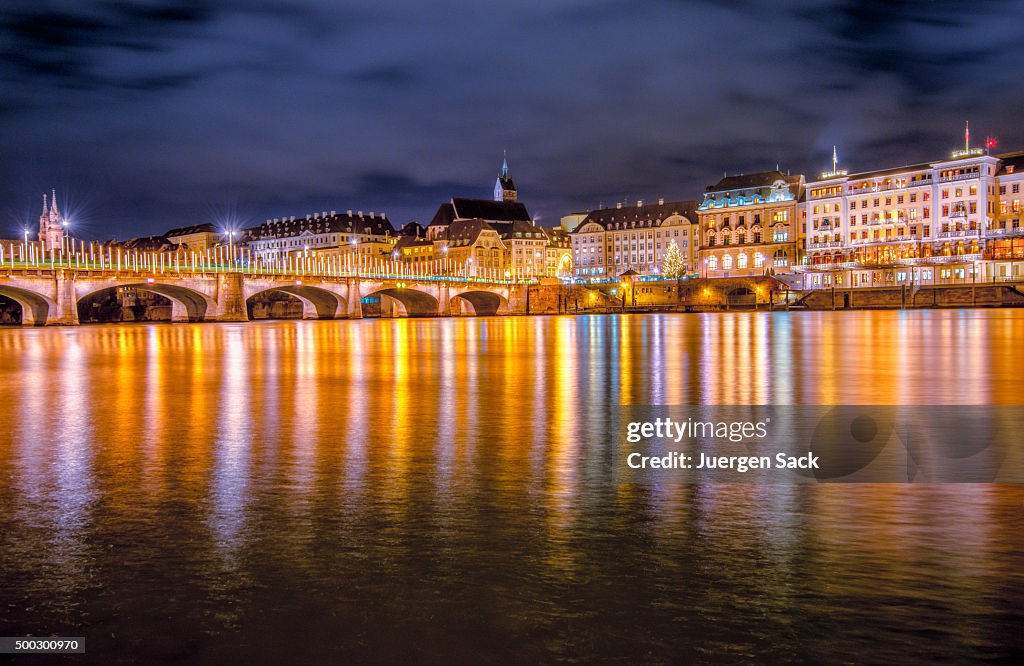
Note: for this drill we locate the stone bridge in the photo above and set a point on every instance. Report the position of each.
(51, 296)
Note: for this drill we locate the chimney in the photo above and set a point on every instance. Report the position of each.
(293, 218)
(323, 213)
(661, 201)
(350, 212)
(360, 213)
(334, 213)
(618, 204)
(639, 202)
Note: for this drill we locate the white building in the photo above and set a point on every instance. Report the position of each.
(274, 240)
(930, 222)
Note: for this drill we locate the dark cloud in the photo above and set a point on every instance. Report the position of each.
(159, 113)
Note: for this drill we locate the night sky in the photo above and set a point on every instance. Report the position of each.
(150, 115)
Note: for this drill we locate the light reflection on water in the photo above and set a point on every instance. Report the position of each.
(442, 489)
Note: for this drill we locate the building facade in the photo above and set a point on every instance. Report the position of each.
(52, 226)
(944, 220)
(559, 254)
(750, 225)
(275, 240)
(197, 238)
(611, 241)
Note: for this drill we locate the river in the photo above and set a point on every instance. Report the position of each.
(443, 490)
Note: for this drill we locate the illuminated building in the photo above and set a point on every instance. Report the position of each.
(559, 253)
(934, 221)
(52, 225)
(749, 225)
(355, 233)
(476, 248)
(198, 237)
(611, 241)
(523, 242)
(504, 187)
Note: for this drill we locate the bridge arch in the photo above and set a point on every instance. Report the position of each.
(35, 308)
(317, 303)
(186, 304)
(484, 303)
(416, 303)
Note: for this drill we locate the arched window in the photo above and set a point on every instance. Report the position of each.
(758, 260)
(741, 261)
(713, 263)
(727, 262)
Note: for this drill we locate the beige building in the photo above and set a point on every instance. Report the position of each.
(750, 225)
(197, 238)
(476, 249)
(559, 254)
(611, 241)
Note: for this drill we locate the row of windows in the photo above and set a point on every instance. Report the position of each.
(779, 216)
(779, 258)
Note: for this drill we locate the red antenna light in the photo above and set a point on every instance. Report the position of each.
(990, 142)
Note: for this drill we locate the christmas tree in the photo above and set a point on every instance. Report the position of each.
(673, 265)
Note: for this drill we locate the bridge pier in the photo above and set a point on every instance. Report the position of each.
(518, 299)
(444, 301)
(354, 300)
(230, 299)
(66, 313)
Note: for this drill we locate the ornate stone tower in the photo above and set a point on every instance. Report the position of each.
(504, 188)
(51, 225)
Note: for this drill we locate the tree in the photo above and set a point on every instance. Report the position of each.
(673, 265)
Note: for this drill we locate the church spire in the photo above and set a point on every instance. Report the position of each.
(45, 207)
(54, 213)
(504, 164)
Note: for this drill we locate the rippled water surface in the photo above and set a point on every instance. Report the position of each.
(444, 490)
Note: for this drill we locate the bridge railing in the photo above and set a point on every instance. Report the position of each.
(105, 258)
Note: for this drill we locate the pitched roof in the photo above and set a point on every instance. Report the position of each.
(444, 216)
(1013, 160)
(411, 241)
(486, 209)
(647, 215)
(147, 244)
(414, 229)
(465, 232)
(207, 227)
(378, 225)
(761, 179)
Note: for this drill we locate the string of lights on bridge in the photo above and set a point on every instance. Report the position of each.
(82, 256)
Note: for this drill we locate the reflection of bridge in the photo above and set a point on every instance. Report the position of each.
(50, 292)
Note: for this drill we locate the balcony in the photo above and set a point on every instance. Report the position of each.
(1005, 233)
(963, 176)
(885, 241)
(824, 246)
(962, 233)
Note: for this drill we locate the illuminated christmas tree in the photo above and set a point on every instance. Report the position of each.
(673, 266)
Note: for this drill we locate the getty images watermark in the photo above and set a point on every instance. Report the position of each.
(800, 444)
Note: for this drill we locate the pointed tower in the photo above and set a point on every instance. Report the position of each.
(504, 188)
(51, 225)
